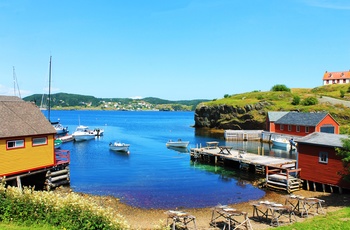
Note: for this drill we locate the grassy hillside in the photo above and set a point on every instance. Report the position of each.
(283, 101)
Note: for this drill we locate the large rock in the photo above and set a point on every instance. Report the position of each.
(231, 117)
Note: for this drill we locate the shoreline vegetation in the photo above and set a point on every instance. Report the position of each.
(84, 211)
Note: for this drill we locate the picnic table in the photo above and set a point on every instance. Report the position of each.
(225, 148)
(305, 206)
(273, 212)
(212, 144)
(230, 217)
(180, 217)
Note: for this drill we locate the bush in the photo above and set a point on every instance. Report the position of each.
(310, 101)
(65, 211)
(342, 93)
(280, 88)
(296, 100)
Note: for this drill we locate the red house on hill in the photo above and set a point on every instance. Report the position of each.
(301, 124)
(319, 163)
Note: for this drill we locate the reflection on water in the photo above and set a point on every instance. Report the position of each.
(179, 149)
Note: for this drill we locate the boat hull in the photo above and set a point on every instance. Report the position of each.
(120, 147)
(177, 144)
(83, 137)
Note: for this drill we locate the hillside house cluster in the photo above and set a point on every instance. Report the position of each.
(330, 78)
(27, 152)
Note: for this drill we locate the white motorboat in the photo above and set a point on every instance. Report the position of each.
(83, 133)
(282, 142)
(178, 144)
(118, 146)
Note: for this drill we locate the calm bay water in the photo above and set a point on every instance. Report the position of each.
(153, 176)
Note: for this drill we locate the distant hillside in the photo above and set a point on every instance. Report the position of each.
(76, 101)
(249, 110)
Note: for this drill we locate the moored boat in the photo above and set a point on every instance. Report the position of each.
(58, 143)
(178, 144)
(281, 142)
(118, 146)
(83, 133)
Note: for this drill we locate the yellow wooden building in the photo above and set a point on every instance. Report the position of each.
(27, 143)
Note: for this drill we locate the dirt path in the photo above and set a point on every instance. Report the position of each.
(333, 101)
(156, 219)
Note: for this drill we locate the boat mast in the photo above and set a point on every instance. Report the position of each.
(15, 84)
(49, 89)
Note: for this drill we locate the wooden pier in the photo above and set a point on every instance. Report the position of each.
(266, 165)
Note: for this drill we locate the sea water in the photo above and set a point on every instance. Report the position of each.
(152, 175)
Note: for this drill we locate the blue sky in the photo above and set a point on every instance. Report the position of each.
(171, 49)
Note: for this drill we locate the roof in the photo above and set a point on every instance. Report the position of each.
(20, 118)
(304, 119)
(274, 116)
(336, 75)
(325, 139)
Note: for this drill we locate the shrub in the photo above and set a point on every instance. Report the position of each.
(66, 211)
(342, 93)
(280, 88)
(296, 100)
(310, 101)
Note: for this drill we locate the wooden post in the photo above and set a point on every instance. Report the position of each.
(314, 185)
(307, 186)
(19, 183)
(262, 151)
(330, 186)
(323, 188)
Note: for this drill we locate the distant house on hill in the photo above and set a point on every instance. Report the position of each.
(301, 124)
(27, 152)
(319, 162)
(330, 78)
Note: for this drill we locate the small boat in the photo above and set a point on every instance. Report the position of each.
(98, 132)
(60, 130)
(58, 143)
(284, 143)
(121, 147)
(83, 133)
(179, 143)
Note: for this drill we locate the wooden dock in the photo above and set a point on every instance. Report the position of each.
(66, 138)
(227, 156)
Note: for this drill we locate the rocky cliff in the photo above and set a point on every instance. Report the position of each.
(249, 117)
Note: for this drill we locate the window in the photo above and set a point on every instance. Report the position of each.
(307, 129)
(298, 128)
(15, 144)
(323, 157)
(289, 128)
(282, 127)
(39, 141)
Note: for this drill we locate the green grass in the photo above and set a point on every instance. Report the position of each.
(14, 226)
(282, 101)
(333, 220)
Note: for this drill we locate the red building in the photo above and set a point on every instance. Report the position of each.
(302, 124)
(318, 161)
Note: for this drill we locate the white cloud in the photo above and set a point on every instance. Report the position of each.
(136, 97)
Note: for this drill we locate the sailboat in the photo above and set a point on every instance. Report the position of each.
(60, 129)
